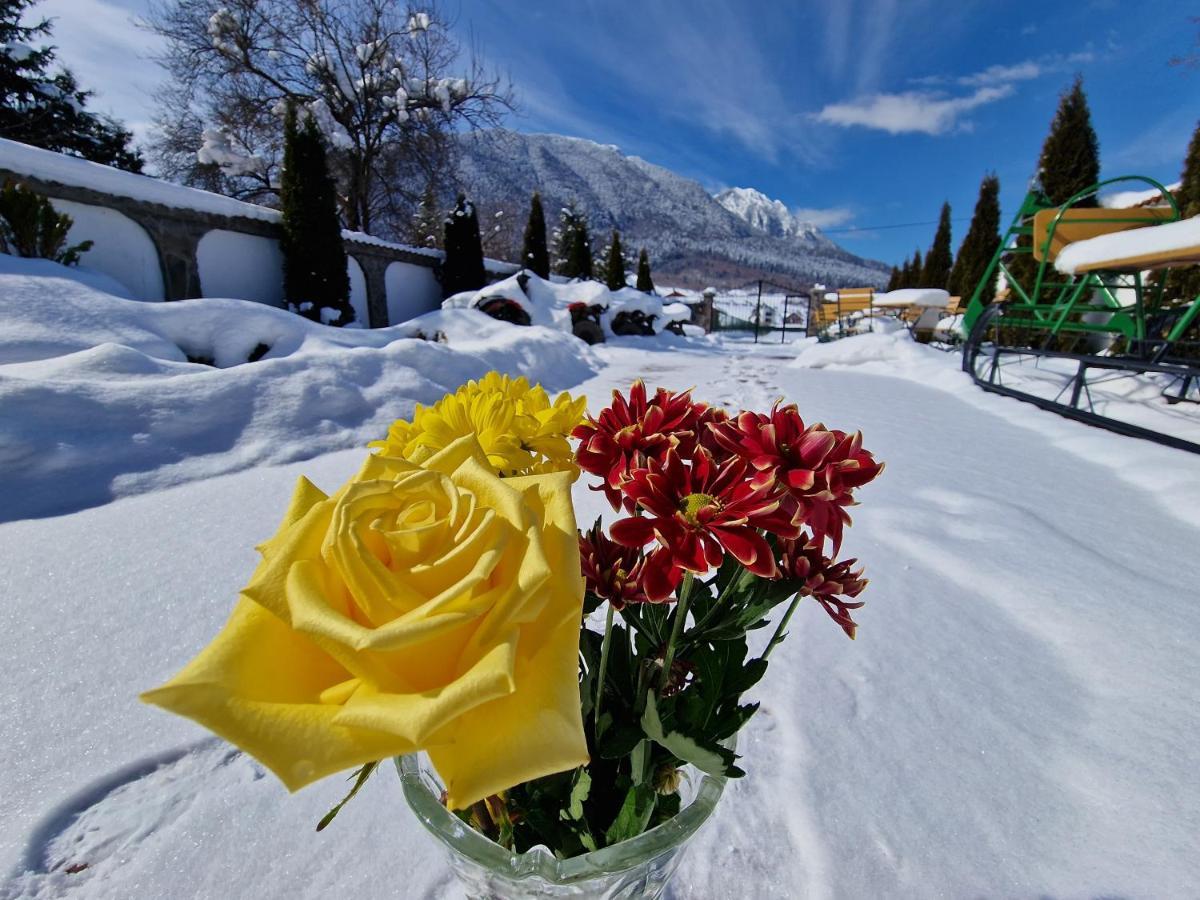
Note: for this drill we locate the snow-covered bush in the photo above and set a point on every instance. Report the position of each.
(31, 227)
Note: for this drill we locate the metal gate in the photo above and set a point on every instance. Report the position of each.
(763, 310)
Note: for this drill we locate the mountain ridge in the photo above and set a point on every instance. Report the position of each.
(692, 238)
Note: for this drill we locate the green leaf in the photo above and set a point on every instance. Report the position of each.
(619, 741)
(715, 759)
(634, 815)
(363, 774)
(637, 762)
(579, 792)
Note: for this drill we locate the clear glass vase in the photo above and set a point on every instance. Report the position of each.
(636, 868)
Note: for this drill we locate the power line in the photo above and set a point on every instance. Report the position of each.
(886, 227)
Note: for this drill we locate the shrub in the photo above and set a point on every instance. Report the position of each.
(30, 226)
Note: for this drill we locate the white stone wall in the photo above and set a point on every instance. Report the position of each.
(121, 248)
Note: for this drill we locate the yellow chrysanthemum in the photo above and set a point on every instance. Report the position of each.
(520, 430)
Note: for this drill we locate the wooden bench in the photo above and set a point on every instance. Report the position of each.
(1078, 224)
(1167, 246)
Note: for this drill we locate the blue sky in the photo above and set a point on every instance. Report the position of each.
(863, 113)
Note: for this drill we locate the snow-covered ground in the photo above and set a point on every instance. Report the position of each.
(1018, 717)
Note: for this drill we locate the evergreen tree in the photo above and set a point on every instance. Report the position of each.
(574, 250)
(936, 271)
(978, 247)
(47, 109)
(614, 265)
(426, 228)
(463, 269)
(645, 283)
(1184, 283)
(915, 271)
(534, 254)
(894, 279)
(1070, 160)
(315, 280)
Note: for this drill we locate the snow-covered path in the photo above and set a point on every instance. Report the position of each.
(1019, 716)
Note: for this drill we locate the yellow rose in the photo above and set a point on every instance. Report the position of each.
(431, 606)
(520, 430)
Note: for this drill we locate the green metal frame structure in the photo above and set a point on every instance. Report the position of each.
(1105, 321)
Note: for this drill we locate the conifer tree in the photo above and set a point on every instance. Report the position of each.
(315, 280)
(894, 279)
(574, 250)
(614, 265)
(916, 270)
(47, 108)
(978, 247)
(534, 255)
(936, 271)
(1070, 160)
(645, 283)
(426, 228)
(462, 269)
(1184, 283)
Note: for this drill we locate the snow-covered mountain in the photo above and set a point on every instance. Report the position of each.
(693, 239)
(770, 216)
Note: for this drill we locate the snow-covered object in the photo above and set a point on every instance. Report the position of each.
(549, 303)
(676, 312)
(98, 393)
(218, 150)
(418, 22)
(771, 216)
(904, 297)
(1130, 199)
(949, 328)
(1171, 238)
(17, 51)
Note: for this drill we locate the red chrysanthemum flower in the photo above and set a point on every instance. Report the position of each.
(632, 431)
(697, 513)
(832, 584)
(611, 571)
(818, 469)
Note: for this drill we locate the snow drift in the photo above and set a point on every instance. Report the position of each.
(102, 396)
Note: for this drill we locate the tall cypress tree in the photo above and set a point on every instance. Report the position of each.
(614, 265)
(915, 270)
(978, 247)
(936, 271)
(1070, 160)
(894, 279)
(462, 269)
(534, 255)
(315, 280)
(1184, 283)
(426, 228)
(47, 109)
(645, 283)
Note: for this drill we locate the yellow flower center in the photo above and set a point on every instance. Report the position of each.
(693, 503)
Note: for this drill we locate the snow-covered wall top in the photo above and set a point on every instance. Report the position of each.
(46, 165)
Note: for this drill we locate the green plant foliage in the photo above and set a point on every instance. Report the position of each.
(1184, 283)
(31, 227)
(315, 276)
(979, 246)
(1070, 160)
(645, 283)
(614, 265)
(535, 256)
(463, 268)
(936, 271)
(574, 247)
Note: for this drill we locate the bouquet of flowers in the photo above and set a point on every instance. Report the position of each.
(443, 600)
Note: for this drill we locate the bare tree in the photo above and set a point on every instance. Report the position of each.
(376, 77)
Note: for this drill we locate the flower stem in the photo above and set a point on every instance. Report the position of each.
(605, 645)
(681, 608)
(778, 636)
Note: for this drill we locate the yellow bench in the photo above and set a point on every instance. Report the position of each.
(1080, 224)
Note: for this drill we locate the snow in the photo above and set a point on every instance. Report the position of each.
(1168, 238)
(100, 400)
(17, 51)
(548, 302)
(1128, 199)
(218, 150)
(912, 297)
(1017, 718)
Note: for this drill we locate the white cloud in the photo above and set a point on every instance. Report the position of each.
(824, 218)
(910, 112)
(1022, 71)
